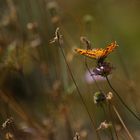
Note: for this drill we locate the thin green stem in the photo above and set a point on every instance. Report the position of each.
(127, 75)
(106, 116)
(71, 74)
(122, 101)
(112, 120)
(86, 64)
(127, 131)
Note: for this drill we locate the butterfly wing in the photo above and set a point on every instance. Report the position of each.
(109, 49)
(95, 53)
(98, 53)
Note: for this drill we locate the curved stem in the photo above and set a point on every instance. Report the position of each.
(127, 75)
(86, 64)
(71, 74)
(122, 101)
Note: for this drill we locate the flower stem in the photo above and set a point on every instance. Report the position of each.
(112, 119)
(122, 101)
(86, 64)
(127, 131)
(106, 116)
(71, 74)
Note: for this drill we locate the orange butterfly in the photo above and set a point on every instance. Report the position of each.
(98, 53)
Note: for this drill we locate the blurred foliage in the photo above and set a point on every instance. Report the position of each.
(35, 86)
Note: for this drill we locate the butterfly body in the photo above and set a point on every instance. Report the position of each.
(99, 53)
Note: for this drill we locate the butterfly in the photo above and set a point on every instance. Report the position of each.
(99, 53)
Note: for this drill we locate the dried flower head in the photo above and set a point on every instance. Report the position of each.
(86, 42)
(109, 96)
(52, 6)
(8, 122)
(54, 11)
(9, 136)
(104, 125)
(99, 97)
(88, 18)
(57, 37)
(103, 69)
(36, 42)
(77, 136)
(32, 26)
